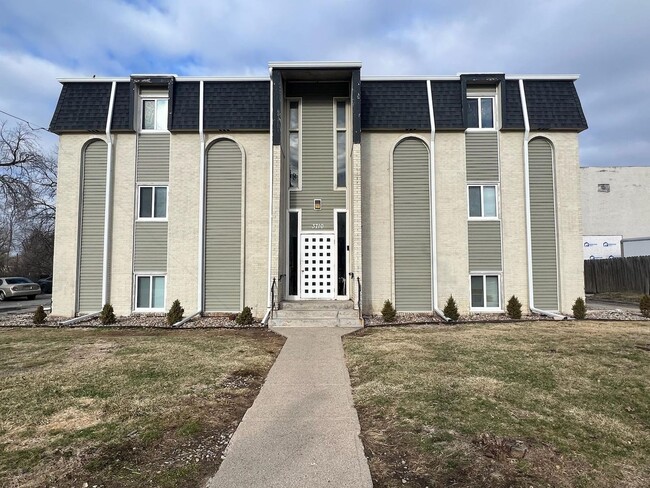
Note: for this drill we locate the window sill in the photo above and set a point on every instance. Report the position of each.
(485, 310)
(483, 219)
(154, 131)
(481, 129)
(152, 219)
(149, 310)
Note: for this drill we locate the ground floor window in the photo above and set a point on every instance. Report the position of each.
(150, 292)
(485, 292)
(341, 252)
(293, 253)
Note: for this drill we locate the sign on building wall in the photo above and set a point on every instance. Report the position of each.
(601, 247)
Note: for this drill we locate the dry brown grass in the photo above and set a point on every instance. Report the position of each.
(445, 405)
(124, 407)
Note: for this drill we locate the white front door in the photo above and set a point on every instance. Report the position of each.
(317, 266)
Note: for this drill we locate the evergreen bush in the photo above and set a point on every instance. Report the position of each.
(107, 315)
(388, 312)
(579, 309)
(175, 313)
(39, 315)
(451, 310)
(245, 317)
(514, 308)
(644, 305)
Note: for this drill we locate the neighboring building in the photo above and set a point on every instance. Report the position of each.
(615, 203)
(417, 187)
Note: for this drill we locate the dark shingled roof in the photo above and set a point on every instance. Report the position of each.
(122, 112)
(244, 105)
(447, 105)
(236, 105)
(554, 104)
(514, 116)
(81, 107)
(186, 106)
(399, 105)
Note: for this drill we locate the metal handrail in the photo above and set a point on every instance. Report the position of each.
(273, 287)
(359, 298)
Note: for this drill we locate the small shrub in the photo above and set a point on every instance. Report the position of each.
(644, 305)
(245, 317)
(175, 313)
(451, 310)
(39, 315)
(107, 316)
(388, 312)
(579, 309)
(514, 308)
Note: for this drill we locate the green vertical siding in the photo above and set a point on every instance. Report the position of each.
(150, 253)
(484, 245)
(93, 194)
(318, 165)
(153, 158)
(223, 228)
(412, 224)
(482, 154)
(542, 222)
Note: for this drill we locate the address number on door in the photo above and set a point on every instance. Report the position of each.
(317, 226)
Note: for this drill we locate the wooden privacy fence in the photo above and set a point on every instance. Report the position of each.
(618, 274)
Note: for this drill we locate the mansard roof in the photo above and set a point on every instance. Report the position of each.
(243, 104)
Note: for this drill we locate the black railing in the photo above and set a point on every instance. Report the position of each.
(359, 298)
(274, 285)
(274, 291)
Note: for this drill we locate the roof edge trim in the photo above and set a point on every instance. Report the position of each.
(314, 64)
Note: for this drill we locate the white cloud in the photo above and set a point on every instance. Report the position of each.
(605, 41)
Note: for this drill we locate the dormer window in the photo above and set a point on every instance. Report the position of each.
(480, 112)
(481, 106)
(154, 114)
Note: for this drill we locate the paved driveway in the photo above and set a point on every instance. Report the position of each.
(23, 305)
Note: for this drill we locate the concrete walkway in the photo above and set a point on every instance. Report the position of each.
(302, 429)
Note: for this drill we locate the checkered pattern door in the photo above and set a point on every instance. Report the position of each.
(317, 266)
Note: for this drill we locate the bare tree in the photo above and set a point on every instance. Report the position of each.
(27, 202)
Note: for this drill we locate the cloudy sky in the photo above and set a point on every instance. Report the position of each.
(606, 42)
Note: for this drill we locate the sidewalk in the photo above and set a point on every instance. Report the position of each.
(302, 429)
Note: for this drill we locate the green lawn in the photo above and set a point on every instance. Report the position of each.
(460, 405)
(124, 407)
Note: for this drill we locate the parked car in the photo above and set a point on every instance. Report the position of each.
(13, 287)
(45, 284)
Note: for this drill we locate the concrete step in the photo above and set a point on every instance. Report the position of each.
(317, 305)
(314, 322)
(317, 314)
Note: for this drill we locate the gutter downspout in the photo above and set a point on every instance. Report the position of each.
(201, 260)
(108, 199)
(529, 245)
(432, 198)
(270, 255)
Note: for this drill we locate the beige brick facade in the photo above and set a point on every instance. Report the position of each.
(371, 235)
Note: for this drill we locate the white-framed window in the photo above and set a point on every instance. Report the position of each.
(480, 113)
(482, 201)
(340, 143)
(152, 203)
(153, 114)
(485, 292)
(150, 292)
(294, 135)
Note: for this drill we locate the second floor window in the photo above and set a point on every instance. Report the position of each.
(482, 201)
(154, 114)
(294, 144)
(152, 202)
(480, 113)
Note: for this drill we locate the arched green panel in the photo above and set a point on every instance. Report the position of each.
(412, 226)
(542, 224)
(223, 227)
(91, 246)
